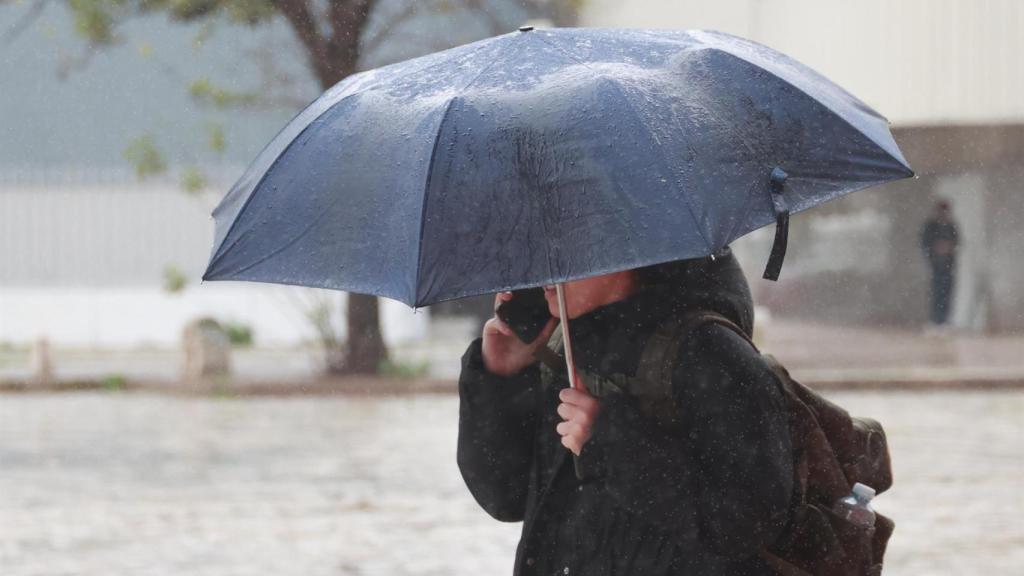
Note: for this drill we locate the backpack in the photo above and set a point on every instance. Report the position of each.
(831, 450)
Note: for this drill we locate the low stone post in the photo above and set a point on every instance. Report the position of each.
(207, 353)
(41, 363)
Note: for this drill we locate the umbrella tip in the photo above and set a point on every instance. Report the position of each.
(525, 28)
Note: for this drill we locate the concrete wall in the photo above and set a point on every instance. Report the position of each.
(82, 261)
(947, 74)
(858, 260)
(125, 317)
(919, 62)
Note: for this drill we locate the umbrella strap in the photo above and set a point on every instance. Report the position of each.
(781, 207)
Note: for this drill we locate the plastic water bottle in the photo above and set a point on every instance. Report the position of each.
(856, 508)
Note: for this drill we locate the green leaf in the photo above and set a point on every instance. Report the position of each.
(216, 139)
(94, 19)
(251, 12)
(239, 334)
(191, 9)
(396, 369)
(144, 155)
(175, 280)
(114, 382)
(205, 91)
(193, 180)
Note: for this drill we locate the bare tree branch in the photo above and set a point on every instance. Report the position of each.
(68, 63)
(300, 18)
(279, 86)
(410, 9)
(25, 22)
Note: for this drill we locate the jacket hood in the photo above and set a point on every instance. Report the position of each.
(602, 337)
(715, 284)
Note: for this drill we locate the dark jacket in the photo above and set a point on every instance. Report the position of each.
(933, 233)
(699, 500)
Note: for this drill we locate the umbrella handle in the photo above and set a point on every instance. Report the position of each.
(563, 314)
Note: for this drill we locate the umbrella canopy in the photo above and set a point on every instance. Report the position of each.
(544, 156)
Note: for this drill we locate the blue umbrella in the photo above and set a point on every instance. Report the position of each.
(544, 156)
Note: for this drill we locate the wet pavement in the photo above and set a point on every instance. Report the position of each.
(143, 484)
(827, 355)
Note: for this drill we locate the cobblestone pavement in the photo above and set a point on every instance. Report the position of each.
(139, 484)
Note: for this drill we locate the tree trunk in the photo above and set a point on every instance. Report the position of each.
(332, 58)
(364, 349)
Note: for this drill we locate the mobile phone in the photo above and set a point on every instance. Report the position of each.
(526, 313)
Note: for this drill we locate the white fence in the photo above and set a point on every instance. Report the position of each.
(83, 255)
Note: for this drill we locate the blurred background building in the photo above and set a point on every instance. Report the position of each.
(92, 255)
(946, 74)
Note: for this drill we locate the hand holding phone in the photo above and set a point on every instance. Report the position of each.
(526, 313)
(505, 352)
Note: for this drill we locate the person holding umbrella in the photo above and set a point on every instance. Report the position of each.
(613, 167)
(699, 491)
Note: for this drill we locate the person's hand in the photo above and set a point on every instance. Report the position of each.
(504, 353)
(578, 410)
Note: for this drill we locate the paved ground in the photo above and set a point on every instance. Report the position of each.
(815, 353)
(130, 484)
(824, 354)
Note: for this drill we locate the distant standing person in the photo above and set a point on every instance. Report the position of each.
(939, 241)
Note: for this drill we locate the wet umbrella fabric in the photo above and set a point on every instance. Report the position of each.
(544, 156)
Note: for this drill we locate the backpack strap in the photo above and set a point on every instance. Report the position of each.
(551, 359)
(654, 371)
(704, 317)
(659, 355)
(657, 361)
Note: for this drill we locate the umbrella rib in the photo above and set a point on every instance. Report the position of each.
(348, 80)
(426, 193)
(636, 114)
(219, 251)
(222, 250)
(430, 172)
(284, 246)
(831, 109)
(666, 166)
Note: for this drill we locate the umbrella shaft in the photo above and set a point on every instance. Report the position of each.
(563, 314)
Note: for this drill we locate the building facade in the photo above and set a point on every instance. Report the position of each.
(946, 74)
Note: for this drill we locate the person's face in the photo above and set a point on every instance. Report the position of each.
(582, 296)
